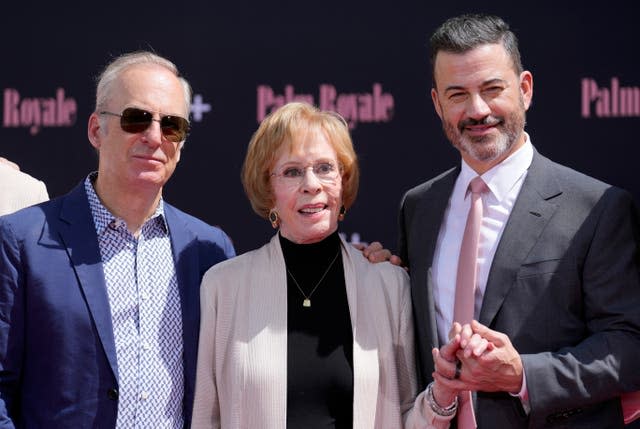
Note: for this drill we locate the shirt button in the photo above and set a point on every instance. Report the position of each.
(145, 346)
(112, 394)
(144, 296)
(144, 395)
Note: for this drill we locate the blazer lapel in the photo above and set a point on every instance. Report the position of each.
(185, 255)
(78, 235)
(529, 216)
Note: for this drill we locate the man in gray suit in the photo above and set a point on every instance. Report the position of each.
(557, 287)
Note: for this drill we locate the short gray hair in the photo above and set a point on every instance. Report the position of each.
(113, 70)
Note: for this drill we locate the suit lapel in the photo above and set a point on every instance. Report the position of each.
(424, 231)
(187, 263)
(185, 255)
(77, 232)
(530, 215)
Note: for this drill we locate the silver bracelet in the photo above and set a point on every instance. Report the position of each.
(443, 412)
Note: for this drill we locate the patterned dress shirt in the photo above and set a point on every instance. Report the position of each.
(144, 300)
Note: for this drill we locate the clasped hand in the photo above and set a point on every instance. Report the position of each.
(479, 359)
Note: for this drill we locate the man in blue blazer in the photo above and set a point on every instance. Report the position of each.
(556, 286)
(99, 289)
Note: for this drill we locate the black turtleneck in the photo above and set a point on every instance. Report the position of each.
(320, 340)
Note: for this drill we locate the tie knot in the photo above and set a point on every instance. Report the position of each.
(478, 186)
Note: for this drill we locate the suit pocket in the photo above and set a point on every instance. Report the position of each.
(541, 267)
(546, 305)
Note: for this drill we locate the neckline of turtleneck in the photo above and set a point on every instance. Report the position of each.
(294, 252)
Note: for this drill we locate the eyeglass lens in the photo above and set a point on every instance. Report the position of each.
(174, 128)
(324, 171)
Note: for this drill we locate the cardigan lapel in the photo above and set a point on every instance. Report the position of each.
(266, 336)
(365, 346)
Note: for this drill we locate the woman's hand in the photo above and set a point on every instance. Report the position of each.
(444, 360)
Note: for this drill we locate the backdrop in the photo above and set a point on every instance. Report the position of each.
(366, 59)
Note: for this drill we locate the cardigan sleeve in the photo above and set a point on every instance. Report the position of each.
(416, 412)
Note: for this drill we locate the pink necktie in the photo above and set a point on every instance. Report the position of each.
(631, 406)
(463, 311)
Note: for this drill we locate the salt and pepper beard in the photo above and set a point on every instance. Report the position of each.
(488, 148)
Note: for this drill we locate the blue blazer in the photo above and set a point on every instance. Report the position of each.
(58, 366)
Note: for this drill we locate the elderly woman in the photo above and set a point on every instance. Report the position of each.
(305, 332)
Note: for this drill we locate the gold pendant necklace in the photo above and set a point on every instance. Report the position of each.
(307, 298)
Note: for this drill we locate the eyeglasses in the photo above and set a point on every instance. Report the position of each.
(326, 172)
(134, 120)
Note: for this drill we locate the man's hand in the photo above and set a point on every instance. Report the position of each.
(375, 253)
(444, 359)
(489, 361)
(471, 343)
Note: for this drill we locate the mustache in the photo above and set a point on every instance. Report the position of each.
(487, 120)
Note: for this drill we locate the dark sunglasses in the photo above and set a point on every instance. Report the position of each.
(134, 120)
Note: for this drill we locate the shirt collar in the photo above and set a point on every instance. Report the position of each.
(103, 218)
(502, 178)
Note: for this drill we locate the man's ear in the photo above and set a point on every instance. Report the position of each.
(436, 102)
(94, 131)
(526, 88)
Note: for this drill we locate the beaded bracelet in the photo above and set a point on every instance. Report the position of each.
(443, 412)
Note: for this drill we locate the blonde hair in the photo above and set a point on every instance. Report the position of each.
(277, 131)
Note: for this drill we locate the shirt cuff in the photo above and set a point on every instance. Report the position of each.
(523, 394)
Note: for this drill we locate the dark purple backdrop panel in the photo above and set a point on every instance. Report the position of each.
(366, 58)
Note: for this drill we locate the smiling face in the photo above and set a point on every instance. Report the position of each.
(482, 103)
(308, 208)
(146, 159)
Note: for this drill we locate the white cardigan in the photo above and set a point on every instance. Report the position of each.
(241, 378)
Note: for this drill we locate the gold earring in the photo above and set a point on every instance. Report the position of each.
(273, 218)
(342, 212)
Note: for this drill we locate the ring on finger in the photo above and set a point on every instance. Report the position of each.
(458, 369)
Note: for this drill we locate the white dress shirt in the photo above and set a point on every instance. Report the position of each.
(504, 181)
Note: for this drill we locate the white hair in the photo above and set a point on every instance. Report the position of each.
(113, 70)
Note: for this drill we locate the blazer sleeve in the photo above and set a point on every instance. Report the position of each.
(11, 325)
(604, 363)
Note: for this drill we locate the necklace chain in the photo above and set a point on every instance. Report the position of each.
(307, 298)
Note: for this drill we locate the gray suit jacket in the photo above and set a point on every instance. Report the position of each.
(564, 286)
